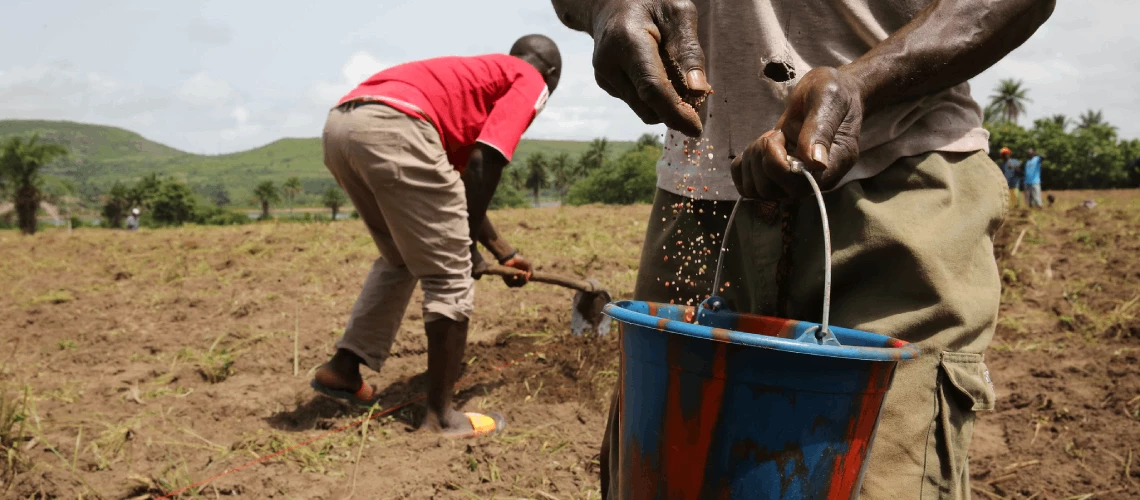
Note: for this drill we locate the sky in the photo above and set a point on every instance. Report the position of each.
(215, 77)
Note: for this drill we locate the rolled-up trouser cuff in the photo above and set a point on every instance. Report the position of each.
(451, 297)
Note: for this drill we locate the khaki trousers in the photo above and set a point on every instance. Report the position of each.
(394, 169)
(912, 259)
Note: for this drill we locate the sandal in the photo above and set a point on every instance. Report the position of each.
(481, 425)
(364, 397)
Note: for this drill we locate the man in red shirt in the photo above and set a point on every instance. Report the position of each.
(420, 149)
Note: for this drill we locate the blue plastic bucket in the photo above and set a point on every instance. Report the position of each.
(734, 406)
(721, 405)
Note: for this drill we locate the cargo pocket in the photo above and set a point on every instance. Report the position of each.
(375, 155)
(964, 387)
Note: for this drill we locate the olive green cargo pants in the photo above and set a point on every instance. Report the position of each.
(912, 259)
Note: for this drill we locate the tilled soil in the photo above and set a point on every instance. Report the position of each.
(1065, 357)
(145, 363)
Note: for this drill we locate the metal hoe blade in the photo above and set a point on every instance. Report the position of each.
(586, 311)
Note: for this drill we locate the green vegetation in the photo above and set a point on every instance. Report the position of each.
(13, 419)
(102, 155)
(333, 199)
(1090, 156)
(594, 176)
(536, 174)
(21, 164)
(291, 188)
(266, 193)
(1007, 103)
(632, 179)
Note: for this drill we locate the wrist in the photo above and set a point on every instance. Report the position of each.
(507, 257)
(858, 76)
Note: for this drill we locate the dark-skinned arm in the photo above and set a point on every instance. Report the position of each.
(484, 169)
(480, 179)
(947, 43)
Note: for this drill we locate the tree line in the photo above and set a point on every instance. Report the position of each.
(162, 201)
(592, 177)
(1078, 154)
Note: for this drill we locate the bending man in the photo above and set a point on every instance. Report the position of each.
(420, 149)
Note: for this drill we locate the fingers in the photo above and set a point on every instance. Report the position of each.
(763, 171)
(736, 169)
(780, 181)
(628, 65)
(625, 91)
(653, 88)
(820, 125)
(823, 120)
(678, 20)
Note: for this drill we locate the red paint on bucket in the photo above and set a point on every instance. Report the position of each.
(688, 437)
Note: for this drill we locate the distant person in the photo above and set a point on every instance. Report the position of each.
(133, 220)
(1011, 167)
(419, 148)
(1033, 179)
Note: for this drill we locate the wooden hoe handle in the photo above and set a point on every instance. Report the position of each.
(541, 277)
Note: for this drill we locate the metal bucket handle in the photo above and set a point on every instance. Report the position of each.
(818, 334)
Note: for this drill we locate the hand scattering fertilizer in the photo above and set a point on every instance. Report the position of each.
(716, 404)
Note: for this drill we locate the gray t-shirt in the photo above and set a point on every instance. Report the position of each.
(749, 44)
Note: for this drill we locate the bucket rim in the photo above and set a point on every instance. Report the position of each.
(619, 311)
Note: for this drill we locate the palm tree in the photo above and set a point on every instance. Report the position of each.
(515, 175)
(292, 188)
(536, 174)
(1092, 119)
(562, 169)
(117, 205)
(333, 200)
(1009, 98)
(594, 157)
(1061, 120)
(266, 193)
(20, 165)
(648, 140)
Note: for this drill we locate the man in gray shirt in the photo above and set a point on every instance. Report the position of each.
(872, 96)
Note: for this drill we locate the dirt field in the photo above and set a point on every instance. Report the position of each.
(141, 363)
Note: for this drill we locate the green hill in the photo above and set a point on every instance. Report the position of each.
(101, 155)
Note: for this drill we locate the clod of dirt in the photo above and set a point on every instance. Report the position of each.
(779, 71)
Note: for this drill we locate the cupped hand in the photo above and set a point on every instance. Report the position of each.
(820, 126)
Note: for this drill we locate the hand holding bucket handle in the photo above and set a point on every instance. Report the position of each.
(820, 334)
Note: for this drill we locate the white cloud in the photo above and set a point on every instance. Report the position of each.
(242, 127)
(204, 90)
(360, 66)
(61, 92)
(224, 58)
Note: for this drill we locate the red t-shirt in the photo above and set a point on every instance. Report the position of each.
(490, 99)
